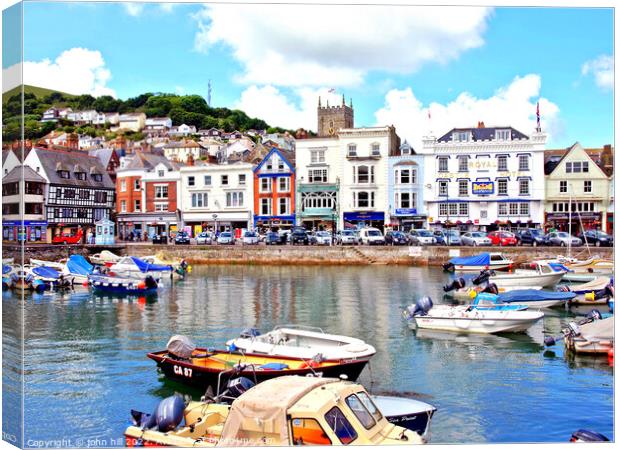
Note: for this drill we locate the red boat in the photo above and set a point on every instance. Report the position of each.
(66, 238)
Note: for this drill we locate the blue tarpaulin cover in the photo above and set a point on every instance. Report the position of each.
(45, 272)
(532, 295)
(559, 267)
(273, 366)
(146, 267)
(78, 265)
(5, 269)
(483, 259)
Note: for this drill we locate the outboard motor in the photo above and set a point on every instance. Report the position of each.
(448, 267)
(483, 277)
(167, 415)
(150, 282)
(595, 314)
(422, 306)
(238, 386)
(456, 284)
(607, 292)
(588, 436)
(491, 289)
(249, 333)
(563, 288)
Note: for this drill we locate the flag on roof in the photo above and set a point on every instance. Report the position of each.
(538, 115)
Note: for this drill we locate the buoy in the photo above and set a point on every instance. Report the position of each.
(472, 294)
(141, 285)
(85, 284)
(589, 296)
(610, 356)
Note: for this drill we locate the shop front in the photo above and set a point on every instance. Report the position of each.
(264, 223)
(574, 221)
(140, 226)
(27, 230)
(406, 219)
(361, 219)
(196, 223)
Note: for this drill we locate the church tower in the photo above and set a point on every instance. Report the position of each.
(333, 118)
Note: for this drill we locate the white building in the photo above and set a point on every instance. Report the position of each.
(217, 196)
(182, 150)
(131, 121)
(482, 178)
(182, 130)
(103, 118)
(158, 123)
(83, 117)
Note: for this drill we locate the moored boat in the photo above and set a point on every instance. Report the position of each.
(302, 342)
(465, 319)
(104, 258)
(476, 263)
(125, 286)
(132, 266)
(540, 274)
(407, 413)
(536, 298)
(593, 335)
(78, 268)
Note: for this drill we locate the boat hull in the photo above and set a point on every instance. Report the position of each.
(502, 266)
(486, 322)
(530, 280)
(579, 277)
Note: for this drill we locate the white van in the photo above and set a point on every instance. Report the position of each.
(371, 236)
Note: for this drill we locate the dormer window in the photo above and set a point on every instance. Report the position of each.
(97, 177)
(160, 173)
(80, 176)
(64, 174)
(502, 135)
(352, 150)
(460, 136)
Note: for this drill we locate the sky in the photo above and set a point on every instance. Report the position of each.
(398, 64)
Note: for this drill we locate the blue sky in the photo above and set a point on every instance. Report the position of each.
(463, 65)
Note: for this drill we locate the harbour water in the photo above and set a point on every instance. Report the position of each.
(85, 363)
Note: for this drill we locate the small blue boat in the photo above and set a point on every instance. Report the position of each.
(536, 298)
(125, 286)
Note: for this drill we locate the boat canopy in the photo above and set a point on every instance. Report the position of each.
(558, 267)
(251, 413)
(147, 267)
(531, 295)
(78, 265)
(6, 269)
(483, 259)
(45, 272)
(181, 346)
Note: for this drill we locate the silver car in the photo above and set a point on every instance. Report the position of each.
(421, 237)
(226, 237)
(347, 237)
(563, 239)
(204, 238)
(475, 238)
(323, 238)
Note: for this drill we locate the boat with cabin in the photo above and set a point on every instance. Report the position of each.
(134, 267)
(409, 413)
(539, 274)
(297, 341)
(124, 286)
(476, 263)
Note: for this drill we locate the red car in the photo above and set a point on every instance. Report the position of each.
(66, 238)
(502, 238)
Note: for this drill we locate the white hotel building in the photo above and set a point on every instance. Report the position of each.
(484, 178)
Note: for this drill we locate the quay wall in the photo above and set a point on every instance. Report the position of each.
(299, 255)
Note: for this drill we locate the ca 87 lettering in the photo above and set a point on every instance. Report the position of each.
(184, 371)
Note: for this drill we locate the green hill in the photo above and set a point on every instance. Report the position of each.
(37, 91)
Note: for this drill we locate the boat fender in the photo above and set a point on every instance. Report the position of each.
(169, 413)
(589, 296)
(423, 306)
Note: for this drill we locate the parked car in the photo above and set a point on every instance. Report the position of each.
(453, 237)
(371, 236)
(323, 238)
(299, 235)
(273, 238)
(562, 239)
(182, 238)
(440, 237)
(597, 238)
(68, 238)
(502, 238)
(531, 236)
(396, 238)
(347, 237)
(475, 238)
(160, 238)
(204, 238)
(250, 238)
(421, 237)
(226, 238)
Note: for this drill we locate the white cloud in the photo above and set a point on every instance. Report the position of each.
(75, 71)
(513, 105)
(275, 108)
(179, 90)
(133, 9)
(167, 7)
(602, 68)
(319, 45)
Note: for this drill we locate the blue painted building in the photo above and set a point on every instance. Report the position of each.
(406, 189)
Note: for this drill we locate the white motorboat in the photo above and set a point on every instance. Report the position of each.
(53, 264)
(541, 275)
(302, 342)
(77, 268)
(465, 319)
(593, 335)
(476, 263)
(105, 257)
(134, 267)
(407, 413)
(596, 292)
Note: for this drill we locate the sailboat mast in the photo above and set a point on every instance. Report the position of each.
(570, 218)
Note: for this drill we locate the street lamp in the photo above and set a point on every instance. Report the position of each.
(215, 224)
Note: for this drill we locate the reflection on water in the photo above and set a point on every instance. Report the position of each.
(86, 367)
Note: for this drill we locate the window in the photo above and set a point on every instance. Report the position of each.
(341, 426)
(502, 163)
(363, 174)
(200, 200)
(317, 156)
(463, 188)
(84, 194)
(406, 176)
(463, 164)
(123, 185)
(587, 186)
(136, 185)
(161, 191)
(524, 187)
(80, 176)
(524, 163)
(136, 205)
(283, 206)
(265, 206)
(563, 186)
(502, 135)
(280, 166)
(308, 432)
(241, 179)
(161, 207)
(10, 189)
(265, 185)
(191, 181)
(97, 177)
(284, 184)
(352, 150)
(502, 187)
(317, 176)
(234, 199)
(524, 209)
(463, 209)
(460, 136)
(405, 200)
(207, 180)
(443, 188)
(360, 412)
(502, 209)
(123, 205)
(101, 197)
(584, 166)
(443, 164)
(64, 174)
(160, 173)
(364, 199)
(443, 209)
(514, 209)
(69, 193)
(375, 150)
(224, 180)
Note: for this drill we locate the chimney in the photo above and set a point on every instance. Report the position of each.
(480, 124)
(190, 160)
